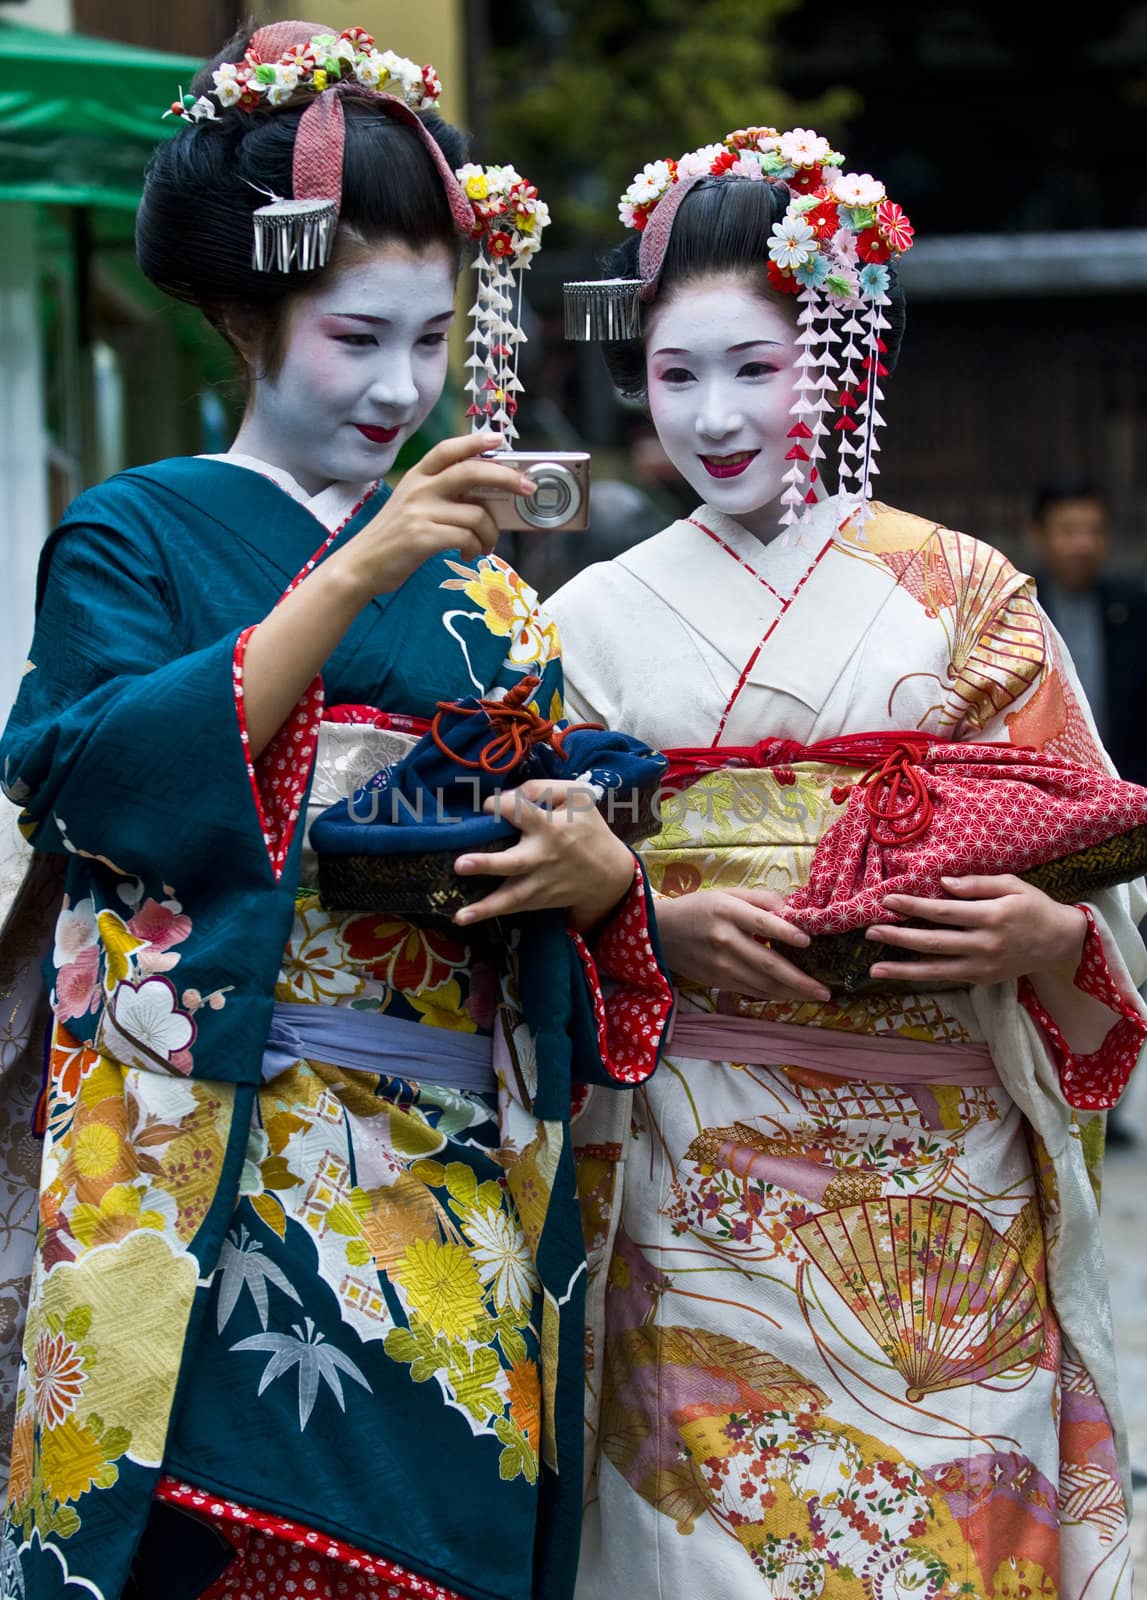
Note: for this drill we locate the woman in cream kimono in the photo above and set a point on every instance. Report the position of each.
(854, 1337)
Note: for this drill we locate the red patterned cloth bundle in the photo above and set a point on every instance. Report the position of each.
(923, 809)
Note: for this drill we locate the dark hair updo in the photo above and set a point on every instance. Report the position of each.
(1058, 491)
(722, 226)
(194, 231)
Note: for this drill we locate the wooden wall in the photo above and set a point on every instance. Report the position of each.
(990, 398)
(185, 27)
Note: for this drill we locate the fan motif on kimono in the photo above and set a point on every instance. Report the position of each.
(826, 1512)
(703, 1425)
(945, 1296)
(664, 1385)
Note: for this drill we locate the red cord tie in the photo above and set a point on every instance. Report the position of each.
(900, 809)
(516, 729)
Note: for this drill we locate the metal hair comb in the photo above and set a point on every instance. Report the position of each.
(293, 235)
(603, 308)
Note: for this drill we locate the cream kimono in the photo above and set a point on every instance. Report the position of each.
(850, 1338)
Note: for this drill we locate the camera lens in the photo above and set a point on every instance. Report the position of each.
(556, 498)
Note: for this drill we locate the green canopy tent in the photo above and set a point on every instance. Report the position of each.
(78, 119)
(78, 115)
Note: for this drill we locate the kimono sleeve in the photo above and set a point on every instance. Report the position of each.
(623, 998)
(1093, 1023)
(126, 743)
(629, 994)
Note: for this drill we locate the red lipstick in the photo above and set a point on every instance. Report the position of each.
(377, 435)
(729, 466)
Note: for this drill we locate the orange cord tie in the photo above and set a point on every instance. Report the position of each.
(900, 809)
(516, 729)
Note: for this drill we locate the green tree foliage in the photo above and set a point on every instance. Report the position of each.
(619, 84)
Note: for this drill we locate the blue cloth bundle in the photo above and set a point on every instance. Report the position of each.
(432, 799)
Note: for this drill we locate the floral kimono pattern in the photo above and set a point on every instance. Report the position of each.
(301, 1297)
(849, 1336)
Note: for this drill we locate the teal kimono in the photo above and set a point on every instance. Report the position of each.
(350, 1299)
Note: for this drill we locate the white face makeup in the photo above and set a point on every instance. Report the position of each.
(364, 363)
(721, 366)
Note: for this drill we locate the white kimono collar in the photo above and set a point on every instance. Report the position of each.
(825, 520)
(331, 506)
(741, 602)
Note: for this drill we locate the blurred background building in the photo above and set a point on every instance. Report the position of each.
(1013, 142)
(1014, 145)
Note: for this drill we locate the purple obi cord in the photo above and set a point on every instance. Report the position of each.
(369, 1041)
(887, 1059)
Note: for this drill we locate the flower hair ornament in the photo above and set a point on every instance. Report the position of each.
(831, 249)
(494, 206)
(509, 220)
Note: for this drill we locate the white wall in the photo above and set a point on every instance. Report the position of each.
(56, 15)
(23, 455)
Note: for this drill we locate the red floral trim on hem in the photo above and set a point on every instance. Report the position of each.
(279, 777)
(1092, 1082)
(395, 721)
(632, 1019)
(277, 1559)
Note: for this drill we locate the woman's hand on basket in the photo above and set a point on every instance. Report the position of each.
(990, 929)
(567, 857)
(437, 506)
(729, 938)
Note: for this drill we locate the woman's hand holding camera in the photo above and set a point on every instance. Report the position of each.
(430, 512)
(427, 514)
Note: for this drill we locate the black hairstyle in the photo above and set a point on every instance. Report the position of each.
(1072, 486)
(194, 231)
(721, 226)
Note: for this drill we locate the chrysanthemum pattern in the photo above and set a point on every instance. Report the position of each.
(58, 1375)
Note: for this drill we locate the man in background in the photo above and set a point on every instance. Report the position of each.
(1103, 620)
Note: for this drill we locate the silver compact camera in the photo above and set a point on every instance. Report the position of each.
(560, 500)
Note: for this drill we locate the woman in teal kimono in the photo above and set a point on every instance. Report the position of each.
(306, 1308)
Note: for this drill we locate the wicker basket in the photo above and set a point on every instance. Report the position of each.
(841, 961)
(424, 886)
